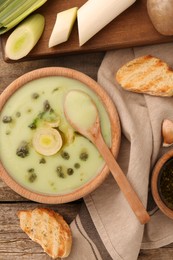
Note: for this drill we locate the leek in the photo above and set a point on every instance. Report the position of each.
(4, 4)
(7, 16)
(22, 40)
(63, 26)
(13, 12)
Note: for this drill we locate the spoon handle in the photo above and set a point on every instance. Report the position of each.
(122, 181)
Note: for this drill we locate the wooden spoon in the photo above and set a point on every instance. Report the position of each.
(82, 114)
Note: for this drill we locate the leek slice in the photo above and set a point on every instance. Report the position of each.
(22, 40)
(47, 141)
(63, 26)
(13, 12)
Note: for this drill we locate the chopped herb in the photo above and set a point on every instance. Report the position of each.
(35, 95)
(23, 149)
(29, 110)
(51, 111)
(40, 115)
(33, 125)
(8, 133)
(65, 155)
(77, 165)
(70, 171)
(83, 156)
(55, 89)
(7, 119)
(42, 160)
(48, 115)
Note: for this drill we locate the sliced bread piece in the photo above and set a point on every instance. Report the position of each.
(49, 229)
(146, 74)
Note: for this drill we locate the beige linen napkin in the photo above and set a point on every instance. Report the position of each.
(106, 228)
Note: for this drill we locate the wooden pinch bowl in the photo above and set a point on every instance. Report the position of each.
(92, 184)
(155, 184)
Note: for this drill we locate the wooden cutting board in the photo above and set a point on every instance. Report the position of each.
(131, 28)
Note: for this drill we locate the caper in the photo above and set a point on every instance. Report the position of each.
(65, 155)
(60, 172)
(61, 175)
(59, 169)
(42, 160)
(7, 119)
(33, 125)
(77, 165)
(22, 150)
(35, 95)
(83, 156)
(46, 105)
(31, 170)
(70, 171)
(32, 177)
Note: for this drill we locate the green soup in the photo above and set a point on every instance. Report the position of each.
(37, 103)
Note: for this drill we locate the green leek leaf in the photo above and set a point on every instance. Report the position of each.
(15, 11)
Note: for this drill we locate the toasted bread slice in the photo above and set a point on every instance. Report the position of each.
(146, 74)
(48, 229)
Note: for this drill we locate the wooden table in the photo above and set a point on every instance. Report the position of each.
(14, 244)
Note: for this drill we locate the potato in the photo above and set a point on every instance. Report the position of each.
(161, 15)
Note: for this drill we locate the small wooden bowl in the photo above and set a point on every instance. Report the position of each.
(115, 131)
(155, 181)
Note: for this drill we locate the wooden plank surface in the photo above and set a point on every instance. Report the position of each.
(131, 28)
(14, 243)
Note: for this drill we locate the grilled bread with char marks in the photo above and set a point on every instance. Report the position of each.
(48, 229)
(148, 75)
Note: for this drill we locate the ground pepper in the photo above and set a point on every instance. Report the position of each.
(165, 183)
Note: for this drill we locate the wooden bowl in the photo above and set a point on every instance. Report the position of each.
(155, 183)
(115, 131)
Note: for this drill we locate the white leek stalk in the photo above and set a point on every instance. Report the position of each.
(96, 14)
(63, 26)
